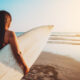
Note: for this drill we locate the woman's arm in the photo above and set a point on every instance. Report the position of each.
(13, 42)
(16, 51)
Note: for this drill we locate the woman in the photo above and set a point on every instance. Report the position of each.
(7, 36)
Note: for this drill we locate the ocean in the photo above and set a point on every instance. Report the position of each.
(63, 43)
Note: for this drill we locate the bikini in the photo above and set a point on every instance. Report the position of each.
(4, 44)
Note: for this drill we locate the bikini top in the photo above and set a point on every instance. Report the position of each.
(3, 45)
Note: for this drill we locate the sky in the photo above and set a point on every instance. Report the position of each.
(27, 14)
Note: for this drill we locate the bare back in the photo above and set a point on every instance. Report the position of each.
(11, 38)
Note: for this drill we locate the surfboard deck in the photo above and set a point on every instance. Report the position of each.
(31, 44)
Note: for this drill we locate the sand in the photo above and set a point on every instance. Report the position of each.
(54, 67)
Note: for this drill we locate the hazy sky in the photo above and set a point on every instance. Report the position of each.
(26, 14)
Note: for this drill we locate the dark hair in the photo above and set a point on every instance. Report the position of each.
(4, 15)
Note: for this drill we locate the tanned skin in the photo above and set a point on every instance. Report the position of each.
(11, 38)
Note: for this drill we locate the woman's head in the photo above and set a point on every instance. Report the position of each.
(5, 19)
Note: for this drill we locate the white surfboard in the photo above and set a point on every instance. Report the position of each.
(31, 44)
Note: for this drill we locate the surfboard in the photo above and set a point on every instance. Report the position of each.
(31, 44)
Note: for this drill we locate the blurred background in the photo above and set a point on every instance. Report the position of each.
(26, 14)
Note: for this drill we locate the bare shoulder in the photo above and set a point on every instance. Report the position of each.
(12, 34)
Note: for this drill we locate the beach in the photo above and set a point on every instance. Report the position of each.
(51, 66)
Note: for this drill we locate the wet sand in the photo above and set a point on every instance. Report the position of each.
(54, 67)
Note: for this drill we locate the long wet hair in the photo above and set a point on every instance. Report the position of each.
(4, 15)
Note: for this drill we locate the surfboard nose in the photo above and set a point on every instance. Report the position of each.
(51, 27)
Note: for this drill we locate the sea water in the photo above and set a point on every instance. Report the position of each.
(63, 43)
